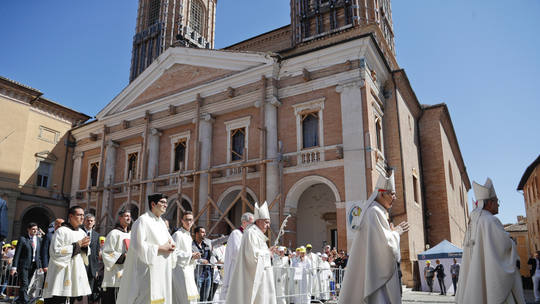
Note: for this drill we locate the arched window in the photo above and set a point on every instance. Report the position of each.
(196, 16)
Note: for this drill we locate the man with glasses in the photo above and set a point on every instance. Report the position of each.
(488, 267)
(372, 272)
(67, 276)
(184, 286)
(147, 276)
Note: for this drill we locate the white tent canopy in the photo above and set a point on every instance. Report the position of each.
(446, 252)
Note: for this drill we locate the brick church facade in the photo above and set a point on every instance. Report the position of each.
(304, 117)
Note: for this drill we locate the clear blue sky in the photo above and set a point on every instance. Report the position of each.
(479, 57)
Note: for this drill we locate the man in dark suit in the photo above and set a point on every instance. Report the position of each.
(92, 268)
(46, 243)
(534, 261)
(26, 260)
(4, 226)
(440, 276)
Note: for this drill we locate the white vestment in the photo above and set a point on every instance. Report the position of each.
(372, 267)
(252, 274)
(488, 268)
(113, 249)
(67, 275)
(147, 276)
(184, 286)
(325, 275)
(231, 254)
(302, 287)
(316, 262)
(280, 276)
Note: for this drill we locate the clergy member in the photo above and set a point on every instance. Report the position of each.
(316, 264)
(372, 274)
(281, 264)
(488, 268)
(68, 256)
(184, 286)
(231, 253)
(147, 276)
(252, 274)
(114, 255)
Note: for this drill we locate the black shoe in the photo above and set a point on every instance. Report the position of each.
(441, 294)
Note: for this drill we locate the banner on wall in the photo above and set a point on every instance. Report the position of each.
(353, 211)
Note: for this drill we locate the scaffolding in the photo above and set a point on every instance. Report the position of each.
(105, 194)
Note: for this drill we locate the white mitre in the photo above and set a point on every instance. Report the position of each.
(383, 183)
(261, 213)
(482, 193)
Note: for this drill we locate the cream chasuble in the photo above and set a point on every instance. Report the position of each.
(302, 287)
(184, 286)
(316, 262)
(488, 268)
(113, 249)
(372, 267)
(147, 276)
(253, 276)
(280, 276)
(231, 254)
(67, 275)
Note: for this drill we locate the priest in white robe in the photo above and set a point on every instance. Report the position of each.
(184, 286)
(114, 256)
(147, 276)
(253, 274)
(281, 263)
(325, 276)
(316, 263)
(302, 278)
(67, 277)
(372, 274)
(231, 252)
(488, 273)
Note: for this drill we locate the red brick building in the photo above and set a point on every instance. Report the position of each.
(530, 185)
(304, 117)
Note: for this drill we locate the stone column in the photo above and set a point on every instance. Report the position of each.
(110, 170)
(205, 137)
(272, 169)
(76, 178)
(353, 142)
(153, 158)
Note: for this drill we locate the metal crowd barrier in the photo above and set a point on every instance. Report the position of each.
(293, 284)
(9, 285)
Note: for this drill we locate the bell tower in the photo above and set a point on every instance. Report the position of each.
(313, 19)
(163, 23)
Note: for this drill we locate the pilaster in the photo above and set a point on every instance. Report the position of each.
(205, 137)
(76, 178)
(153, 158)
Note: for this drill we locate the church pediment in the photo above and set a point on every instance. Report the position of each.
(178, 78)
(180, 69)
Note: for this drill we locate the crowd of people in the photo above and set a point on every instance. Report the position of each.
(151, 265)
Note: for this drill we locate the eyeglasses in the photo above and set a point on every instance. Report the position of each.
(187, 220)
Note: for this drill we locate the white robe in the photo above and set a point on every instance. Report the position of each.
(302, 286)
(184, 286)
(489, 274)
(252, 274)
(280, 276)
(67, 275)
(113, 249)
(147, 276)
(316, 262)
(372, 266)
(325, 275)
(231, 254)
